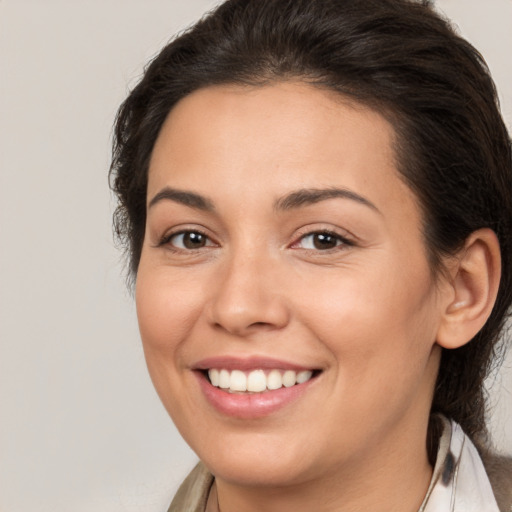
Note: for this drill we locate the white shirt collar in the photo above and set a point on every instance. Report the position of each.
(459, 482)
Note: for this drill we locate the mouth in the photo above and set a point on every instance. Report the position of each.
(257, 380)
(253, 388)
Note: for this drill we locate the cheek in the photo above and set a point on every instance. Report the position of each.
(166, 311)
(166, 308)
(380, 340)
(375, 321)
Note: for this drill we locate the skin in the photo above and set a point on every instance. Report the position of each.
(366, 312)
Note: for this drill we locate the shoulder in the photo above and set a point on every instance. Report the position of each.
(193, 493)
(499, 471)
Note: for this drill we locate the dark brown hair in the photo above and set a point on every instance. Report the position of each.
(397, 56)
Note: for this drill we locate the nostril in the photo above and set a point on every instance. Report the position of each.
(260, 324)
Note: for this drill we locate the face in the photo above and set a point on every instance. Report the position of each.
(283, 253)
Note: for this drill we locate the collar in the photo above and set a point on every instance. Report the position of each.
(459, 481)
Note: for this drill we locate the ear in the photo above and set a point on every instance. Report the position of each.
(472, 289)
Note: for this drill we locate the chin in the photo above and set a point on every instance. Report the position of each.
(258, 462)
(257, 473)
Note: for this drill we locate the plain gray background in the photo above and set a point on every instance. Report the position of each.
(81, 428)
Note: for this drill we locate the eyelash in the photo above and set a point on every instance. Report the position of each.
(341, 241)
(166, 239)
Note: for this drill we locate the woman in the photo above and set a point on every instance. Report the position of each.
(315, 198)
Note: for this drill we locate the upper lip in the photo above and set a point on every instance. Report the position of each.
(248, 364)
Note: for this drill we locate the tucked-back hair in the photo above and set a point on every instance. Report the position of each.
(398, 57)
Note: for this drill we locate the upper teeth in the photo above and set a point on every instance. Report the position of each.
(257, 380)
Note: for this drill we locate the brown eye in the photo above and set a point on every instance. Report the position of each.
(189, 240)
(322, 241)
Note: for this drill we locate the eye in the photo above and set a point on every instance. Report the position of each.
(321, 241)
(188, 240)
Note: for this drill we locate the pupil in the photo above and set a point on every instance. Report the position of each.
(324, 241)
(193, 240)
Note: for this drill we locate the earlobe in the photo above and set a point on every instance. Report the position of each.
(475, 277)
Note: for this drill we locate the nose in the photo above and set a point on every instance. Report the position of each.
(248, 297)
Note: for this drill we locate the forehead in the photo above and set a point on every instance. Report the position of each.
(274, 138)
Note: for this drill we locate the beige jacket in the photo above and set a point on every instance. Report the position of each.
(461, 480)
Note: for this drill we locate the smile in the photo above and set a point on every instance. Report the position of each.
(256, 381)
(254, 387)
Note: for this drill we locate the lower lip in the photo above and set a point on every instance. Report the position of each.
(250, 405)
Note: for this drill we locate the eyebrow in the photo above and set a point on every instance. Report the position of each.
(296, 199)
(184, 197)
(308, 196)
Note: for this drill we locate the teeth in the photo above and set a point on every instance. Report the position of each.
(214, 377)
(256, 381)
(289, 379)
(224, 379)
(238, 381)
(304, 376)
(274, 380)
